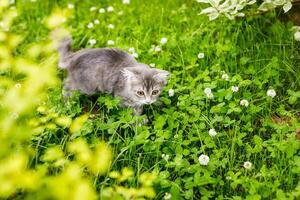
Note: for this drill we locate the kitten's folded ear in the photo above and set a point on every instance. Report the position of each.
(162, 75)
(129, 73)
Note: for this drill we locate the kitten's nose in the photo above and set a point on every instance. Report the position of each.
(147, 100)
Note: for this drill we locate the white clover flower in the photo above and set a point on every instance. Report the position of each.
(167, 196)
(271, 93)
(165, 156)
(131, 50)
(234, 88)
(92, 42)
(90, 25)
(110, 9)
(152, 64)
(135, 55)
(126, 1)
(200, 55)
(111, 26)
(247, 165)
(207, 91)
(225, 77)
(210, 95)
(212, 132)
(120, 12)
(110, 42)
(157, 48)
(297, 36)
(71, 6)
(96, 21)
(171, 92)
(163, 40)
(93, 8)
(18, 85)
(244, 102)
(203, 159)
(11, 1)
(101, 10)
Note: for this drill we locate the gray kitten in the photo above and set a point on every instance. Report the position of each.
(112, 71)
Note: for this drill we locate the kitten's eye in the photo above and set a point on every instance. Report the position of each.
(155, 92)
(140, 93)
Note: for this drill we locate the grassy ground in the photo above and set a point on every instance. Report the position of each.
(257, 53)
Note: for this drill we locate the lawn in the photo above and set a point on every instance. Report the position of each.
(227, 125)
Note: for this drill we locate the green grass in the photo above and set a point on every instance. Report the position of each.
(257, 53)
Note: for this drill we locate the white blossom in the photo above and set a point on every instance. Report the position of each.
(247, 165)
(111, 26)
(90, 25)
(297, 36)
(92, 42)
(171, 92)
(110, 42)
(163, 40)
(225, 77)
(71, 6)
(167, 196)
(165, 156)
(96, 21)
(286, 7)
(131, 50)
(101, 10)
(126, 1)
(93, 8)
(152, 64)
(210, 95)
(110, 9)
(212, 132)
(207, 91)
(200, 55)
(135, 55)
(203, 159)
(244, 102)
(234, 88)
(271, 93)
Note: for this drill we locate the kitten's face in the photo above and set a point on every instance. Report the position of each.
(145, 86)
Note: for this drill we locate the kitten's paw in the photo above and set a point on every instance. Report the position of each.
(144, 122)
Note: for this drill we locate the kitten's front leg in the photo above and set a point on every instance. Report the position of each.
(137, 111)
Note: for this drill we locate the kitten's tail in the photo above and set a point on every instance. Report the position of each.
(64, 49)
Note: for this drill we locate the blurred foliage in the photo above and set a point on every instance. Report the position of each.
(61, 172)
